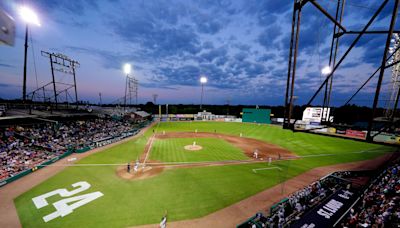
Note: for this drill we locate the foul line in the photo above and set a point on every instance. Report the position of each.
(323, 155)
(275, 167)
(148, 150)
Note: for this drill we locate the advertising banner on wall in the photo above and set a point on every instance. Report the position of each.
(315, 114)
(354, 133)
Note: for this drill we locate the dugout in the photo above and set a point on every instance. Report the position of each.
(256, 115)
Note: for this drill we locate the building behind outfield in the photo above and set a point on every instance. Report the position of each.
(256, 115)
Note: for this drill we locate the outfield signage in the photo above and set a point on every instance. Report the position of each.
(342, 132)
(329, 212)
(354, 133)
(315, 114)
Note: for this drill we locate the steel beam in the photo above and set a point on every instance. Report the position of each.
(382, 70)
(348, 50)
(365, 83)
(25, 60)
(339, 34)
(286, 111)
(76, 90)
(296, 47)
(327, 14)
(335, 54)
(54, 80)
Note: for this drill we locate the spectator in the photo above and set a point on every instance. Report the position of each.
(379, 206)
(25, 148)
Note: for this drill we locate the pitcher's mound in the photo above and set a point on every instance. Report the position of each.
(193, 147)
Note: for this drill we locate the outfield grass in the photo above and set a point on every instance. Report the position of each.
(172, 150)
(187, 192)
(299, 143)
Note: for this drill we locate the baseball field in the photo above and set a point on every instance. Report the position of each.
(184, 183)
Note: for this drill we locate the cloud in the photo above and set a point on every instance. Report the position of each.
(266, 11)
(207, 23)
(77, 7)
(269, 36)
(6, 85)
(6, 65)
(240, 56)
(241, 46)
(215, 54)
(157, 40)
(267, 57)
(208, 45)
(109, 59)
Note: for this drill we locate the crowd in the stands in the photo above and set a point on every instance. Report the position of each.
(380, 205)
(23, 148)
(297, 204)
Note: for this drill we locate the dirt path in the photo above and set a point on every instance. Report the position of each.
(8, 212)
(240, 211)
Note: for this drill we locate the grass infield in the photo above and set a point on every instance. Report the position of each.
(186, 193)
(172, 150)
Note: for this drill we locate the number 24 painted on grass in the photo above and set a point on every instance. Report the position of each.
(62, 207)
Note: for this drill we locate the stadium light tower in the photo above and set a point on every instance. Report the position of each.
(203, 80)
(325, 71)
(127, 71)
(29, 17)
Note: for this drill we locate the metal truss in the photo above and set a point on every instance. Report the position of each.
(54, 91)
(334, 62)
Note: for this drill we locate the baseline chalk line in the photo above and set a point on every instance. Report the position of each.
(275, 167)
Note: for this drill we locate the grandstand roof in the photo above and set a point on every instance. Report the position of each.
(142, 114)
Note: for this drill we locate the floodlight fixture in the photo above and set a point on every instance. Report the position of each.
(326, 70)
(127, 68)
(29, 16)
(203, 80)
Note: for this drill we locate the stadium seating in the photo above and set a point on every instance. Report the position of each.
(379, 206)
(293, 207)
(23, 148)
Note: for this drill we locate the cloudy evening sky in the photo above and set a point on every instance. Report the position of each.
(241, 46)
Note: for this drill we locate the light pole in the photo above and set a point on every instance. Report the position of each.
(203, 80)
(29, 17)
(325, 71)
(291, 106)
(127, 71)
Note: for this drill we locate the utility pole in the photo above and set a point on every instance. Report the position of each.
(155, 98)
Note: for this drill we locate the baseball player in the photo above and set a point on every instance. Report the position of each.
(163, 223)
(255, 154)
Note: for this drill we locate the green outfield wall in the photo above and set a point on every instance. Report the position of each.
(256, 115)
